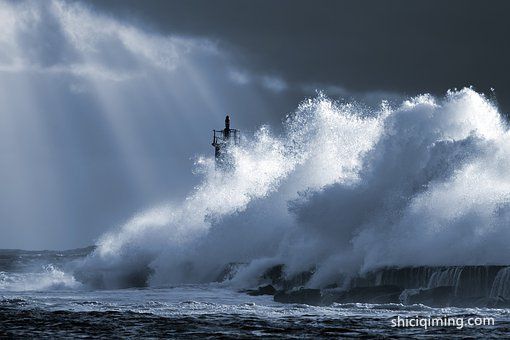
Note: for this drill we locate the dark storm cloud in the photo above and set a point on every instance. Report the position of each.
(396, 46)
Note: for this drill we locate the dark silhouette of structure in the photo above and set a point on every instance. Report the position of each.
(222, 139)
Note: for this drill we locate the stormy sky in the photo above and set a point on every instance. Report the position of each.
(105, 104)
(394, 46)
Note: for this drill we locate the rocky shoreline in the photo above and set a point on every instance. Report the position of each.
(449, 286)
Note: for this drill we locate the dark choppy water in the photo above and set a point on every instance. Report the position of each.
(38, 298)
(206, 311)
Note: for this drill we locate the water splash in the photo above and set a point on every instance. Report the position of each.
(49, 277)
(501, 285)
(342, 190)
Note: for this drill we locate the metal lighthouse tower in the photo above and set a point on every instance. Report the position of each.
(222, 139)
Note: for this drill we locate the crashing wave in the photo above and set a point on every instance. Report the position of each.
(342, 189)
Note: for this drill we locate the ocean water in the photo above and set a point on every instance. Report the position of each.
(38, 298)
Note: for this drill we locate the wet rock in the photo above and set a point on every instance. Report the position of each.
(276, 276)
(229, 271)
(331, 286)
(433, 297)
(377, 294)
(304, 296)
(498, 302)
(481, 301)
(264, 290)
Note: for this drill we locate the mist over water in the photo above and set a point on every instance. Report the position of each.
(343, 190)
